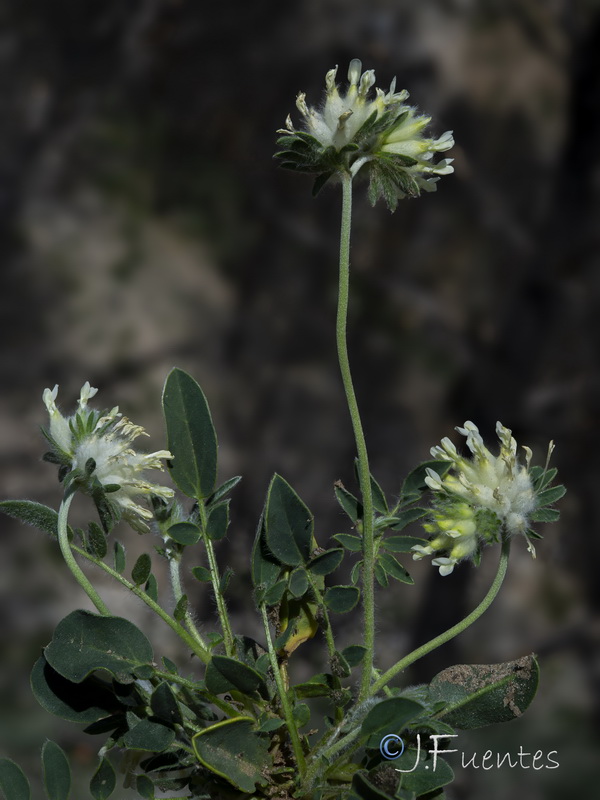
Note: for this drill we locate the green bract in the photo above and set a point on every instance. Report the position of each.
(365, 128)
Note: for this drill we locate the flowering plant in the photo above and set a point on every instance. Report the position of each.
(235, 723)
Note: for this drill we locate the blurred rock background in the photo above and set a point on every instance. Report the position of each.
(144, 225)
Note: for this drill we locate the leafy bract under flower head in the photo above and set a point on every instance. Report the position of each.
(484, 496)
(364, 128)
(95, 453)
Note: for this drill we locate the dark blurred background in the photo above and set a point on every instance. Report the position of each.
(145, 225)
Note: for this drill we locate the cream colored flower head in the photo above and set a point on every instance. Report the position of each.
(363, 126)
(94, 450)
(484, 496)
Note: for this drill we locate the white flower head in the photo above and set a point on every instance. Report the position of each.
(498, 483)
(95, 450)
(484, 496)
(366, 126)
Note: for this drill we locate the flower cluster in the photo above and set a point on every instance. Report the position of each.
(355, 129)
(94, 451)
(480, 498)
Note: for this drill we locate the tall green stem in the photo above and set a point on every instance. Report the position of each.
(65, 547)
(364, 476)
(451, 632)
(283, 697)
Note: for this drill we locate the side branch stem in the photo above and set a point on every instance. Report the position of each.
(283, 696)
(175, 574)
(451, 632)
(215, 579)
(65, 548)
(202, 653)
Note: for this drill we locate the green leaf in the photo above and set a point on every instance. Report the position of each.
(35, 514)
(350, 542)
(298, 583)
(301, 713)
(145, 672)
(542, 478)
(85, 702)
(231, 750)
(145, 787)
(224, 489)
(149, 736)
(180, 609)
(404, 518)
(226, 674)
(365, 790)
(271, 724)
(321, 685)
(380, 575)
(57, 772)
(341, 599)
(378, 497)
(170, 666)
(390, 716)
(401, 544)
(151, 588)
(545, 515)
(13, 782)
(84, 642)
(549, 496)
(97, 544)
(354, 654)
(164, 705)
(288, 524)
(104, 781)
(482, 694)
(414, 484)
(394, 569)
(348, 502)
(202, 574)
(191, 436)
(224, 580)
(120, 560)
(265, 569)
(141, 569)
(339, 666)
(185, 533)
(326, 562)
(218, 521)
(424, 779)
(273, 595)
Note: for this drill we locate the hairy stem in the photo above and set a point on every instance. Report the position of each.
(194, 646)
(65, 547)
(368, 546)
(215, 579)
(451, 632)
(328, 631)
(175, 573)
(283, 697)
